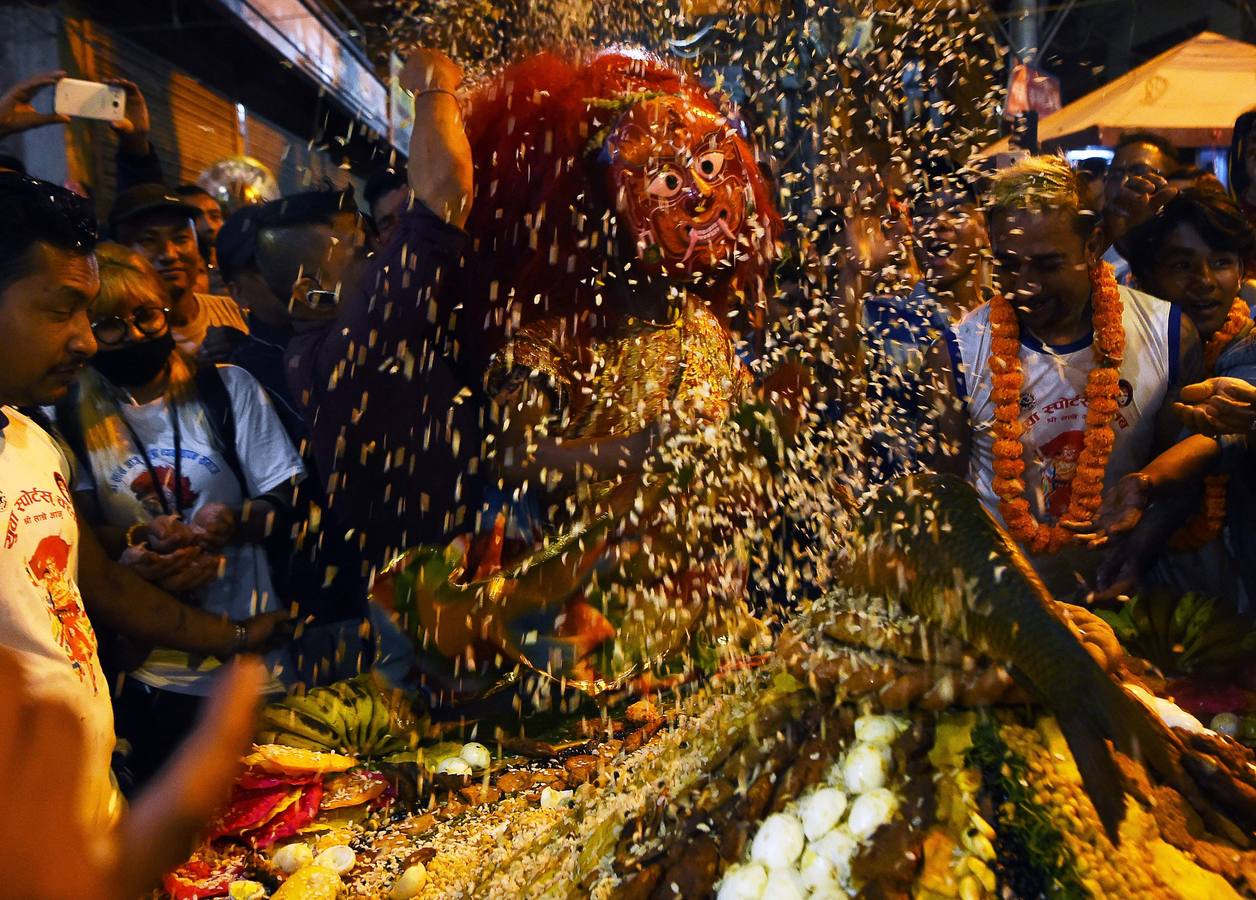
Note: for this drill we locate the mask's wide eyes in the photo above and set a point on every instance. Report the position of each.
(665, 185)
(709, 164)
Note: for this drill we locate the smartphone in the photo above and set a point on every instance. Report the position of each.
(90, 100)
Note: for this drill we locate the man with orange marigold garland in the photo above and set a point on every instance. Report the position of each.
(1063, 349)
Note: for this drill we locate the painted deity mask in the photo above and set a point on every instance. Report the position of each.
(681, 185)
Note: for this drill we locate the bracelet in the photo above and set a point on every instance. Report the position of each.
(131, 532)
(426, 91)
(241, 642)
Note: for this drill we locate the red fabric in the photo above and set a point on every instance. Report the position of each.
(292, 819)
(540, 222)
(197, 880)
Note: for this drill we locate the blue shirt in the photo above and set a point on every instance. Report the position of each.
(898, 332)
(1239, 361)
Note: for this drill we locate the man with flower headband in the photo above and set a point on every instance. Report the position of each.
(623, 230)
(1062, 350)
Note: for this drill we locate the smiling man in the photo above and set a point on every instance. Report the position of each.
(160, 225)
(1060, 384)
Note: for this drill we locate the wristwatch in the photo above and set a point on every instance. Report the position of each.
(241, 642)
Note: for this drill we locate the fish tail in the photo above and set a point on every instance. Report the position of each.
(1110, 713)
(1101, 779)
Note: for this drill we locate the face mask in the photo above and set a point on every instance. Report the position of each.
(135, 364)
(680, 182)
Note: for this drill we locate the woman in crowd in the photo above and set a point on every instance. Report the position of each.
(184, 475)
(1193, 255)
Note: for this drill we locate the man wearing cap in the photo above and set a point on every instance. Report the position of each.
(159, 225)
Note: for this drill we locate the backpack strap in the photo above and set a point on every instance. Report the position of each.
(67, 427)
(214, 397)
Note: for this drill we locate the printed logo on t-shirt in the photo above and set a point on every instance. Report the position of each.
(1058, 460)
(48, 571)
(27, 511)
(149, 494)
(131, 475)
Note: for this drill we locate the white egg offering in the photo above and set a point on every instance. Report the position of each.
(837, 848)
(410, 883)
(743, 882)
(779, 842)
(821, 810)
(877, 729)
(817, 873)
(870, 811)
(477, 756)
(453, 765)
(340, 859)
(290, 857)
(784, 884)
(865, 768)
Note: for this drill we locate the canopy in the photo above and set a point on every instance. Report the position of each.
(1191, 94)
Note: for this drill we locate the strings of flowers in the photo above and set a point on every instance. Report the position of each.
(1204, 526)
(1101, 405)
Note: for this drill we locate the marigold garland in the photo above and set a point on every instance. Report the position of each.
(1204, 526)
(1101, 405)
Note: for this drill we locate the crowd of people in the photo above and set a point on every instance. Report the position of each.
(219, 429)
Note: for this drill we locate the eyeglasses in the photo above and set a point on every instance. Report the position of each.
(1138, 170)
(148, 320)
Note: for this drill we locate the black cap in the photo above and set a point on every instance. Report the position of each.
(307, 208)
(237, 241)
(147, 198)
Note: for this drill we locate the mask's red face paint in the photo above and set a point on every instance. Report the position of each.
(681, 185)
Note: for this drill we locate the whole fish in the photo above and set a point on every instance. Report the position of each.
(927, 542)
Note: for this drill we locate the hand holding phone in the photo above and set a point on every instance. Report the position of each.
(17, 114)
(90, 100)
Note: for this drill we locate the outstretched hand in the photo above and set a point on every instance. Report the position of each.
(17, 114)
(1218, 406)
(1122, 510)
(42, 772)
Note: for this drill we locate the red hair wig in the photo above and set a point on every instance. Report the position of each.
(543, 223)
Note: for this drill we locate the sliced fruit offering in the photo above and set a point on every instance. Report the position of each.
(283, 759)
(352, 789)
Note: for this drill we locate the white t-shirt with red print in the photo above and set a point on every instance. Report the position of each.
(41, 612)
(127, 495)
(1053, 412)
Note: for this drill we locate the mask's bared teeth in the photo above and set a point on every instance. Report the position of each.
(693, 244)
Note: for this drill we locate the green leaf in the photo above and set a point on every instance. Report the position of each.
(786, 683)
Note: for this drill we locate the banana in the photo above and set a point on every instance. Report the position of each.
(314, 708)
(288, 739)
(327, 705)
(292, 721)
(380, 722)
(350, 710)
